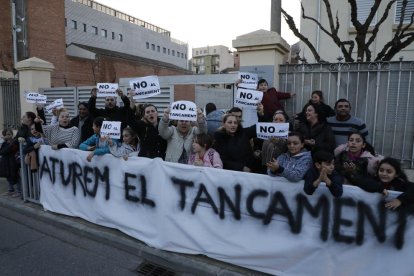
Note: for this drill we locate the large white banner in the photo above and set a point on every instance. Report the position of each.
(256, 221)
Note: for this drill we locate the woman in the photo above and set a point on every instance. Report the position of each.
(232, 142)
(317, 133)
(317, 99)
(24, 130)
(393, 178)
(61, 135)
(203, 155)
(357, 162)
(274, 147)
(294, 164)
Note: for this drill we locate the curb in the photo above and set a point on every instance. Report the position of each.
(182, 264)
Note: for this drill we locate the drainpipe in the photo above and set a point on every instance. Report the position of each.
(14, 31)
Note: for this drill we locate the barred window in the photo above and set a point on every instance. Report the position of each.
(409, 9)
(363, 11)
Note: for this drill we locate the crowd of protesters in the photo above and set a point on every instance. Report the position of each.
(324, 145)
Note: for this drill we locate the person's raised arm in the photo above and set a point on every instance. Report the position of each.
(164, 130)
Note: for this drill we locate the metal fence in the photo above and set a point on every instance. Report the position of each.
(380, 94)
(9, 89)
(29, 180)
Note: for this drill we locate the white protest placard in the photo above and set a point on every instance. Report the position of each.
(248, 98)
(266, 131)
(106, 89)
(183, 110)
(111, 129)
(248, 80)
(34, 97)
(58, 104)
(145, 87)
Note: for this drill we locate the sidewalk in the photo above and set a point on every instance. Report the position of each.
(183, 264)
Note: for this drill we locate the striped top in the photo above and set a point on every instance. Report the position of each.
(342, 129)
(58, 135)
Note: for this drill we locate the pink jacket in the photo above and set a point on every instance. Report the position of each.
(211, 159)
(373, 161)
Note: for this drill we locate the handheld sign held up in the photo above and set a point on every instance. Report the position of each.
(58, 104)
(34, 97)
(145, 87)
(248, 98)
(111, 129)
(106, 89)
(266, 131)
(248, 80)
(183, 110)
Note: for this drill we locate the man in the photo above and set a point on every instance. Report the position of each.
(111, 112)
(343, 124)
(237, 112)
(180, 138)
(152, 144)
(213, 118)
(83, 121)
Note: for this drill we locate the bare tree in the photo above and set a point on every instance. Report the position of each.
(365, 32)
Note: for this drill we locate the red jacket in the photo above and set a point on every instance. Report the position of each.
(271, 102)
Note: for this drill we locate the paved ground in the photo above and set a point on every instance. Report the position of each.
(36, 242)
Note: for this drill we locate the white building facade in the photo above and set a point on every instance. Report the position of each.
(93, 24)
(325, 46)
(211, 59)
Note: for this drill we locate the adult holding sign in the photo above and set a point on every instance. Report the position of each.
(107, 89)
(180, 138)
(271, 99)
(111, 112)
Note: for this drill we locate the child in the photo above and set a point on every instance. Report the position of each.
(294, 164)
(96, 144)
(203, 154)
(32, 146)
(357, 162)
(323, 170)
(393, 178)
(9, 166)
(129, 147)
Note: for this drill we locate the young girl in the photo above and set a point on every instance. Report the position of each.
(9, 166)
(130, 144)
(203, 154)
(33, 144)
(294, 164)
(96, 144)
(393, 178)
(357, 162)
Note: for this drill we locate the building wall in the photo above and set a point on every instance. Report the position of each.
(225, 57)
(6, 42)
(328, 50)
(136, 40)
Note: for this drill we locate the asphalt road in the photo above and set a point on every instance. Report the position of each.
(32, 247)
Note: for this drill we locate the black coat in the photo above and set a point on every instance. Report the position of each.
(86, 130)
(152, 144)
(8, 164)
(321, 133)
(119, 114)
(235, 151)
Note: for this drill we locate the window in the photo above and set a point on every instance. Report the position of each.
(84, 27)
(95, 30)
(153, 47)
(215, 50)
(147, 45)
(409, 9)
(104, 33)
(364, 9)
(196, 52)
(168, 51)
(158, 48)
(113, 35)
(178, 54)
(205, 51)
(120, 37)
(74, 24)
(173, 53)
(164, 50)
(66, 22)
(182, 55)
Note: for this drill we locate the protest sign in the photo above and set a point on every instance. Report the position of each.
(34, 97)
(183, 110)
(107, 89)
(58, 104)
(145, 87)
(111, 129)
(266, 131)
(248, 80)
(248, 98)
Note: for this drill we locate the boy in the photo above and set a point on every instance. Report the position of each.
(323, 170)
